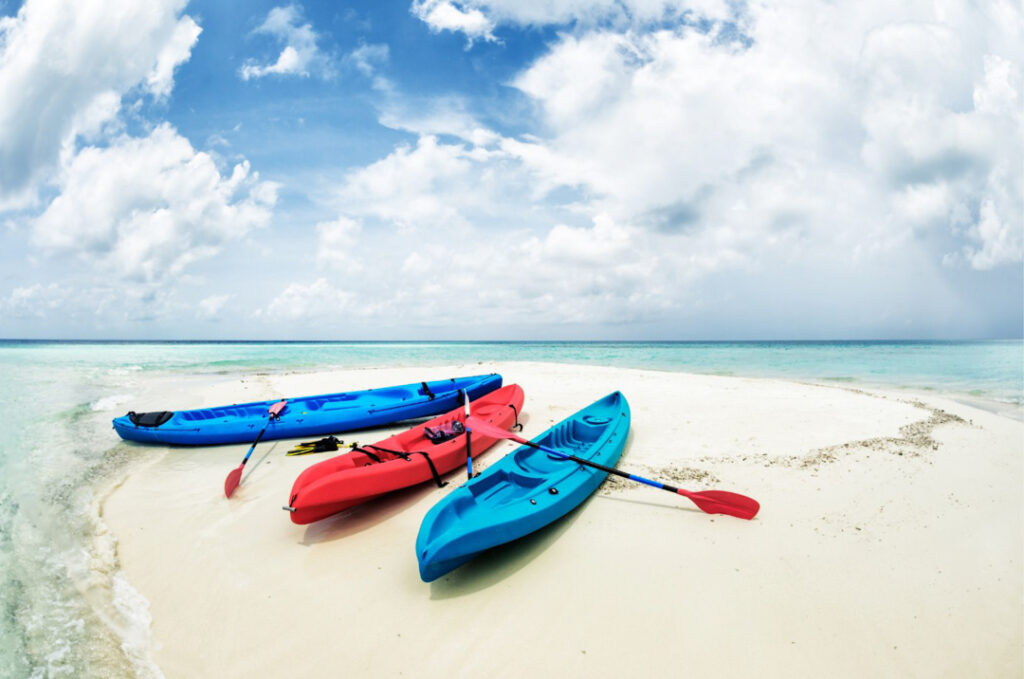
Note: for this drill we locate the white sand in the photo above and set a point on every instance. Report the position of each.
(878, 552)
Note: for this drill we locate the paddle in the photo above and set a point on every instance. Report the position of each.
(710, 501)
(469, 444)
(235, 477)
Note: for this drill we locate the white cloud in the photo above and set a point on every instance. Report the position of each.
(177, 50)
(477, 239)
(64, 67)
(319, 299)
(817, 132)
(34, 301)
(598, 245)
(335, 241)
(368, 60)
(146, 208)
(446, 15)
(437, 116)
(416, 188)
(300, 55)
(477, 19)
(998, 237)
(833, 140)
(210, 307)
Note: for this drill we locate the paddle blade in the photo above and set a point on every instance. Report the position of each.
(232, 481)
(724, 502)
(275, 410)
(491, 430)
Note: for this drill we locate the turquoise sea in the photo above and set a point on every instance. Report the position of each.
(65, 609)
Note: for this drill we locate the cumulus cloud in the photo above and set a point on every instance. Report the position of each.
(834, 123)
(299, 55)
(64, 67)
(146, 208)
(428, 185)
(175, 51)
(446, 15)
(34, 301)
(335, 241)
(477, 19)
(299, 301)
(210, 307)
(763, 139)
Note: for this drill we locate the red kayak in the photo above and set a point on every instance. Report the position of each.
(415, 456)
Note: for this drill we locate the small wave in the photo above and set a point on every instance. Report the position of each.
(110, 402)
(135, 635)
(125, 369)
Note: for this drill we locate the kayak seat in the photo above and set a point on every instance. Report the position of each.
(394, 392)
(153, 419)
(499, 488)
(339, 401)
(588, 429)
(483, 487)
(573, 438)
(336, 405)
(536, 462)
(487, 410)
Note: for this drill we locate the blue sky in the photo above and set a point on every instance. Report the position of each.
(489, 169)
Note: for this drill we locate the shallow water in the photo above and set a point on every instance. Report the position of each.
(65, 610)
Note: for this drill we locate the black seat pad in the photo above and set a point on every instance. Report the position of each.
(153, 419)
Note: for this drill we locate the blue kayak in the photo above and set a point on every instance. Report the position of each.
(303, 416)
(524, 491)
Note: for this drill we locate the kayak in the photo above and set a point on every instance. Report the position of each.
(403, 460)
(525, 490)
(303, 416)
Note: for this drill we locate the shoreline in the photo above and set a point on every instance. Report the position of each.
(778, 440)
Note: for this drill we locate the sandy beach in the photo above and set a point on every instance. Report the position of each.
(889, 544)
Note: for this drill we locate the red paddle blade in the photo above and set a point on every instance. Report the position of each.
(491, 430)
(724, 502)
(232, 481)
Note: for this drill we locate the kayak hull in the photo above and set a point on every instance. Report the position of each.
(307, 415)
(346, 480)
(524, 491)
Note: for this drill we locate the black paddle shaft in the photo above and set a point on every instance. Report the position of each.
(253, 447)
(610, 470)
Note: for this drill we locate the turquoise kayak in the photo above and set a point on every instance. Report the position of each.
(305, 415)
(524, 491)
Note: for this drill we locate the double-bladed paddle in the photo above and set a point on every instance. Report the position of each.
(235, 477)
(710, 501)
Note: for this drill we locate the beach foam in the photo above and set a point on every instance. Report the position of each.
(111, 402)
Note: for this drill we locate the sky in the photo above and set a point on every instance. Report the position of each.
(511, 169)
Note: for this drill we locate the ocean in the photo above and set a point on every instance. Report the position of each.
(65, 608)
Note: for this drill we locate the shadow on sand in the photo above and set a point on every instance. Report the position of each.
(496, 564)
(365, 516)
(253, 464)
(669, 504)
